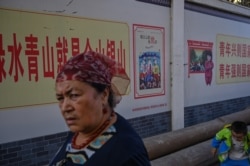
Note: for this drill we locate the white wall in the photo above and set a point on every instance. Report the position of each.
(203, 27)
(28, 122)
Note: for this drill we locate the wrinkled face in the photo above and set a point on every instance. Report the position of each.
(238, 136)
(81, 105)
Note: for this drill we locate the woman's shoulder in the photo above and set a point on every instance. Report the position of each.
(123, 126)
(126, 132)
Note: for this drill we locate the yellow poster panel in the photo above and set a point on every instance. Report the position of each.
(33, 47)
(233, 59)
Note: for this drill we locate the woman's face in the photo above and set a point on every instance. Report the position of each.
(81, 105)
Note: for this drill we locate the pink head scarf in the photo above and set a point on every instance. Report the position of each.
(97, 68)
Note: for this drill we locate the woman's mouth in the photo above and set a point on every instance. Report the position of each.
(70, 121)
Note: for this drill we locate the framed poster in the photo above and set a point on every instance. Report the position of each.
(197, 51)
(201, 59)
(149, 67)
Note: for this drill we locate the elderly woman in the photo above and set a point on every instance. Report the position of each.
(88, 88)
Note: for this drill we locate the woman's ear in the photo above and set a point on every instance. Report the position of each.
(105, 96)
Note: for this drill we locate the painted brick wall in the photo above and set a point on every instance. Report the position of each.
(38, 151)
(31, 152)
(147, 126)
(202, 113)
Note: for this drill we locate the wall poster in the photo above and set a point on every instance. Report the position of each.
(200, 59)
(34, 46)
(149, 67)
(233, 59)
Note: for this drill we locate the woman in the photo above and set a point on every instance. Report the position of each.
(88, 88)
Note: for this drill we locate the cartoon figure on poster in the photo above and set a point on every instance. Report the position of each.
(209, 65)
(149, 70)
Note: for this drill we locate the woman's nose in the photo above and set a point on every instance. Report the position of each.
(65, 105)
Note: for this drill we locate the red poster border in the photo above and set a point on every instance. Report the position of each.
(135, 65)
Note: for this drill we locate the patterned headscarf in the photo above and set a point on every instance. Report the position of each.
(97, 68)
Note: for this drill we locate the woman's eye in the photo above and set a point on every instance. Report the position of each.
(59, 98)
(74, 96)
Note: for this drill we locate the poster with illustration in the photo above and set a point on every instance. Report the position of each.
(201, 59)
(148, 61)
